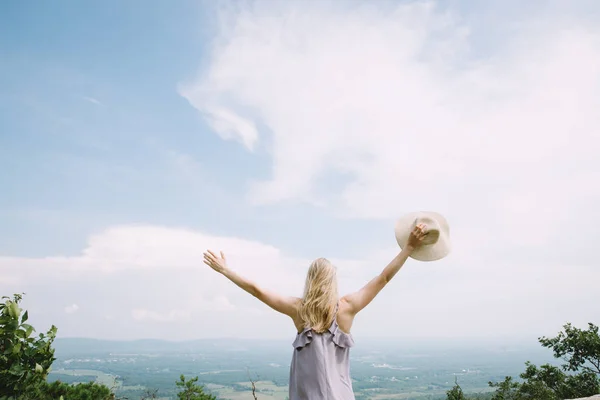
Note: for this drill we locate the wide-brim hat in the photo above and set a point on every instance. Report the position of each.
(436, 245)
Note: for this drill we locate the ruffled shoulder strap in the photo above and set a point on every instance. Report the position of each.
(340, 338)
(303, 338)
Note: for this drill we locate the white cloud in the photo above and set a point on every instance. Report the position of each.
(131, 276)
(394, 105)
(72, 309)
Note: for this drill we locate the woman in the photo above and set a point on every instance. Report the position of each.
(320, 368)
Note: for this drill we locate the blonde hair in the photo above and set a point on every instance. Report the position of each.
(318, 305)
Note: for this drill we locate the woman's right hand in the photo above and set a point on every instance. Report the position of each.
(217, 263)
(417, 235)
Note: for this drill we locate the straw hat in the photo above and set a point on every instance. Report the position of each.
(435, 245)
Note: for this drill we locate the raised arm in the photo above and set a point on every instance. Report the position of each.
(359, 300)
(283, 304)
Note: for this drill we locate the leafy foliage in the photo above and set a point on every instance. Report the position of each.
(579, 377)
(25, 360)
(190, 390)
(64, 391)
(550, 382)
(547, 382)
(579, 348)
(506, 390)
(455, 393)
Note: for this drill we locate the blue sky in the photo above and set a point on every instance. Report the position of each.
(133, 135)
(93, 128)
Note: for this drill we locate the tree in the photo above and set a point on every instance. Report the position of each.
(60, 390)
(546, 382)
(506, 390)
(579, 348)
(579, 377)
(252, 384)
(25, 360)
(551, 382)
(456, 392)
(189, 390)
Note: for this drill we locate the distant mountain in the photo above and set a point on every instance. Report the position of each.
(71, 346)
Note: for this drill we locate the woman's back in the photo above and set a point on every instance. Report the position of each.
(320, 368)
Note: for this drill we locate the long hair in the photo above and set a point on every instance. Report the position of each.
(317, 308)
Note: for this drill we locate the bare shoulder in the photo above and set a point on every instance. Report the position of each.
(344, 304)
(345, 315)
(296, 301)
(347, 304)
(294, 304)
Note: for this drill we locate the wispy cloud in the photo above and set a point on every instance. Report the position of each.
(93, 100)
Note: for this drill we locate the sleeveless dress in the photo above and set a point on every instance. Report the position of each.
(320, 368)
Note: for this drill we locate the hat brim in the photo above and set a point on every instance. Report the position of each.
(432, 252)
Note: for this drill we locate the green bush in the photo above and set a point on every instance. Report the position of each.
(26, 360)
(578, 377)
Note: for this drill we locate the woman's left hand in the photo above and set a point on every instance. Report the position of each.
(217, 263)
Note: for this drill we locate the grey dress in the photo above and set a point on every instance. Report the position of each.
(320, 368)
